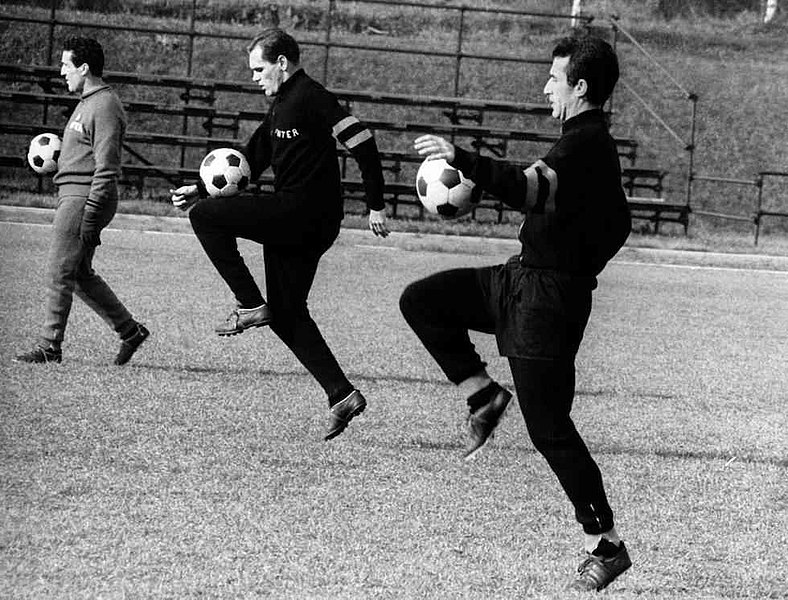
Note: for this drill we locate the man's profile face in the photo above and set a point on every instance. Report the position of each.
(562, 97)
(73, 74)
(267, 75)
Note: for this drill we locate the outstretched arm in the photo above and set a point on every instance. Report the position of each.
(517, 187)
(257, 152)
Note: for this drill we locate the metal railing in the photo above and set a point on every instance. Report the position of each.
(687, 145)
(327, 44)
(196, 28)
(58, 17)
(760, 211)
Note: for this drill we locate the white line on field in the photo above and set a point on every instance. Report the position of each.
(628, 263)
(375, 247)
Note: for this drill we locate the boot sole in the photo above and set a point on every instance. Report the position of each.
(118, 363)
(237, 331)
(354, 414)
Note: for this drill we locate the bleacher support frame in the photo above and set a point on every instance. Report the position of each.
(198, 100)
(397, 192)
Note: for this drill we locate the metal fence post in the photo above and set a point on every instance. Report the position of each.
(458, 67)
(51, 41)
(458, 60)
(50, 52)
(329, 20)
(758, 207)
(189, 65)
(614, 27)
(691, 150)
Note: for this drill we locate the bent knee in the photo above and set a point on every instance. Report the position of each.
(198, 214)
(411, 300)
(208, 212)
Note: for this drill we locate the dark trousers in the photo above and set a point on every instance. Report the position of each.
(292, 252)
(441, 309)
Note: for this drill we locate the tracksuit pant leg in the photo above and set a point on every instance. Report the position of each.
(70, 270)
(218, 223)
(545, 390)
(291, 259)
(289, 273)
(441, 309)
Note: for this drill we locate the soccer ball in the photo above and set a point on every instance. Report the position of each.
(444, 190)
(43, 153)
(225, 172)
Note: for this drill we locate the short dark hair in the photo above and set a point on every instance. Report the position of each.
(593, 59)
(274, 43)
(86, 50)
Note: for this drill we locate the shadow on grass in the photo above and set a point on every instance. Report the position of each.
(681, 454)
(284, 374)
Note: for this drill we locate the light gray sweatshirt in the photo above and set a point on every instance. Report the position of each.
(89, 163)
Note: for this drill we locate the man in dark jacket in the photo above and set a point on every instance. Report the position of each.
(299, 221)
(538, 303)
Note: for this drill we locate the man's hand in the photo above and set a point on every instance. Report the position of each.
(434, 147)
(184, 197)
(89, 231)
(377, 222)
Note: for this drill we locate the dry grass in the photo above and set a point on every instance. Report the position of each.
(198, 471)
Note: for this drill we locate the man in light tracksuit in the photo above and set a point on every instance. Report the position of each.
(87, 189)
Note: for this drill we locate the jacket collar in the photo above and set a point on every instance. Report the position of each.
(291, 82)
(95, 90)
(594, 115)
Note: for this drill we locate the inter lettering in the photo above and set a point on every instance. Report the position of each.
(288, 134)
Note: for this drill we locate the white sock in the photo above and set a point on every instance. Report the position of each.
(251, 309)
(592, 541)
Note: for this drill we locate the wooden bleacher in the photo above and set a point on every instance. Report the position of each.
(221, 127)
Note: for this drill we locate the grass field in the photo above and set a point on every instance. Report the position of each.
(199, 470)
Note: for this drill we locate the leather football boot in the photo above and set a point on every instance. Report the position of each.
(602, 566)
(40, 355)
(343, 411)
(241, 319)
(483, 421)
(130, 344)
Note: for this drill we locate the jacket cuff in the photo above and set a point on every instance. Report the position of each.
(201, 191)
(463, 161)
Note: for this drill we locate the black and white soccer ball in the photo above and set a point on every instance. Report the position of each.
(43, 153)
(444, 190)
(225, 172)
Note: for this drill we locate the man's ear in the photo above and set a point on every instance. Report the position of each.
(282, 62)
(581, 88)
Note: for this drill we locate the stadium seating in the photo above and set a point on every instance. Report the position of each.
(195, 99)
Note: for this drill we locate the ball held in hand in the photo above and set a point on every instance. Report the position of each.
(43, 153)
(444, 190)
(225, 172)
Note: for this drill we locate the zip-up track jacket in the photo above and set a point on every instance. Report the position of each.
(298, 140)
(576, 213)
